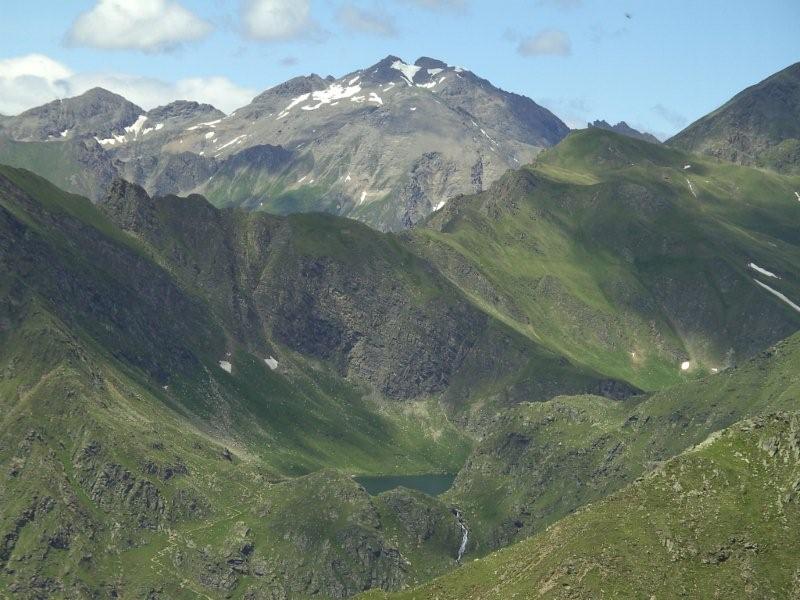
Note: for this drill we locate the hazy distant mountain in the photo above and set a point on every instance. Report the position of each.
(760, 126)
(387, 144)
(625, 129)
(97, 112)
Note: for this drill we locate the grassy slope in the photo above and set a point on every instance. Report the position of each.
(116, 412)
(111, 483)
(115, 492)
(305, 416)
(539, 462)
(717, 521)
(298, 419)
(601, 251)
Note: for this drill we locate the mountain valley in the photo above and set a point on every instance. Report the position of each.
(212, 326)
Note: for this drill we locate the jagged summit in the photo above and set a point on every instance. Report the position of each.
(430, 63)
(302, 84)
(184, 109)
(623, 128)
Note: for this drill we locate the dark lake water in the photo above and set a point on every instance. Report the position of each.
(433, 485)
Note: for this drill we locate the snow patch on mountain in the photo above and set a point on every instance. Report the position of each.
(755, 267)
(777, 294)
(137, 126)
(299, 100)
(236, 140)
(115, 139)
(327, 96)
(202, 125)
(408, 71)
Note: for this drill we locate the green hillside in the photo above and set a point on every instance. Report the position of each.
(132, 462)
(187, 391)
(539, 462)
(628, 257)
(717, 521)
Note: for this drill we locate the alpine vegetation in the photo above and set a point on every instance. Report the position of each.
(397, 332)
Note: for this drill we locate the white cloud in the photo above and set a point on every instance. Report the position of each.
(366, 21)
(37, 65)
(33, 80)
(26, 80)
(275, 20)
(547, 42)
(148, 25)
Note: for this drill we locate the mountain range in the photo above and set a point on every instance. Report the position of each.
(599, 345)
(387, 144)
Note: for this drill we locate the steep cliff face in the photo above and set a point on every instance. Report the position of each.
(334, 290)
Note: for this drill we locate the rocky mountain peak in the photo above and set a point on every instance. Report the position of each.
(623, 128)
(388, 143)
(296, 86)
(184, 110)
(426, 62)
(96, 112)
(759, 126)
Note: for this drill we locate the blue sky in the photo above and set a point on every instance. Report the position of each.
(656, 64)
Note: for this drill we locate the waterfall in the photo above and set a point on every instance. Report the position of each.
(465, 534)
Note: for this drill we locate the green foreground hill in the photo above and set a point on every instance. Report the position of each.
(539, 462)
(718, 521)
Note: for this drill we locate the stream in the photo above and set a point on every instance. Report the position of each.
(465, 534)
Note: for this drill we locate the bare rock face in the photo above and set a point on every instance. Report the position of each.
(97, 112)
(332, 289)
(760, 126)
